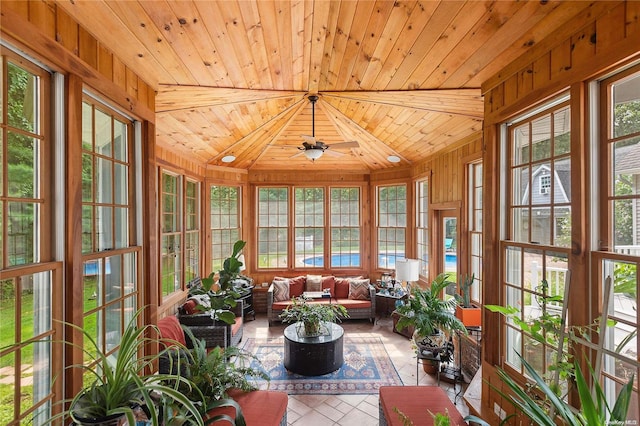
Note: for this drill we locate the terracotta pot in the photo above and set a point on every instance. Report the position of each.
(470, 317)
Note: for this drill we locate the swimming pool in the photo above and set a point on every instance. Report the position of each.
(384, 260)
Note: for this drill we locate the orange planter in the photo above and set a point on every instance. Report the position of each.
(470, 317)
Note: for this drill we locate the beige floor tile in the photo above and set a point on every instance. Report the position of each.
(353, 410)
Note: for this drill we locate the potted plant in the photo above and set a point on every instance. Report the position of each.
(595, 410)
(467, 312)
(120, 386)
(213, 373)
(312, 315)
(432, 318)
(222, 295)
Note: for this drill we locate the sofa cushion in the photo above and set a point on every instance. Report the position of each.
(314, 283)
(329, 282)
(280, 291)
(170, 331)
(359, 289)
(237, 326)
(354, 303)
(342, 288)
(189, 307)
(265, 408)
(296, 284)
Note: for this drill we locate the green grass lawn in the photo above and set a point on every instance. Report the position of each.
(8, 338)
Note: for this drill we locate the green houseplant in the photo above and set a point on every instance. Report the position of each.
(213, 372)
(119, 385)
(222, 294)
(431, 317)
(594, 409)
(312, 315)
(467, 312)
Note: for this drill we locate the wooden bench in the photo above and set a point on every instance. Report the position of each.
(415, 402)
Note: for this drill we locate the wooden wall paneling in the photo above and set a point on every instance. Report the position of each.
(525, 81)
(541, 71)
(29, 37)
(491, 250)
(73, 291)
(119, 73)
(42, 14)
(583, 45)
(579, 15)
(105, 62)
(131, 80)
(19, 7)
(66, 31)
(632, 20)
(88, 48)
(511, 89)
(561, 59)
(610, 28)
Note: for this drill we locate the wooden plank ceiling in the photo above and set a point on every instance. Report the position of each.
(399, 77)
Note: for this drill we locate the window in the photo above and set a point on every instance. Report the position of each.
(422, 225)
(309, 227)
(171, 246)
(535, 249)
(225, 222)
(392, 224)
(31, 285)
(619, 238)
(345, 227)
(318, 241)
(273, 227)
(545, 184)
(110, 254)
(192, 230)
(474, 175)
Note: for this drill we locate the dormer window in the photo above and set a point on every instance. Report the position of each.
(545, 184)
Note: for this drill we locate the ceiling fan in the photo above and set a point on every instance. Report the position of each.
(313, 148)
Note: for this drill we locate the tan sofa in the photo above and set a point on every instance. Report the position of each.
(339, 289)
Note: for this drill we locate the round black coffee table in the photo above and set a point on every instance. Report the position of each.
(313, 356)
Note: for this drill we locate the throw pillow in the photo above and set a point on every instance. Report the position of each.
(280, 291)
(329, 282)
(314, 283)
(359, 289)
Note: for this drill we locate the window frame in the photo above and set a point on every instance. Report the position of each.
(327, 252)
(423, 228)
(225, 246)
(379, 227)
(513, 285)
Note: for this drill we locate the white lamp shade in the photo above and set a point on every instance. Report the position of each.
(313, 154)
(241, 259)
(407, 270)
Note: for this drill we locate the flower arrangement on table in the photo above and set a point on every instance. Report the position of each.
(312, 315)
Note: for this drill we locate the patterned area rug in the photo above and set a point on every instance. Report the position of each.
(366, 367)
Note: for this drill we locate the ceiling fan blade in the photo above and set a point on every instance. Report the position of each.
(310, 139)
(345, 145)
(335, 153)
(298, 154)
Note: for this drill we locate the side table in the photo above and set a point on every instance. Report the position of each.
(246, 295)
(386, 303)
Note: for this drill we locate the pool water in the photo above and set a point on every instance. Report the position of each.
(353, 259)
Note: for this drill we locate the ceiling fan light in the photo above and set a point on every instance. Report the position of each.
(313, 154)
(393, 159)
(228, 158)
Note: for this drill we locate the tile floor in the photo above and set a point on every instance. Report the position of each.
(350, 410)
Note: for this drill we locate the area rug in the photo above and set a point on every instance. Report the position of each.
(366, 368)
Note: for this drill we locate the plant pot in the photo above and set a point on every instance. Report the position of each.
(113, 420)
(470, 317)
(429, 366)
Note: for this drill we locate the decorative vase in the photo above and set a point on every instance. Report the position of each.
(312, 328)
